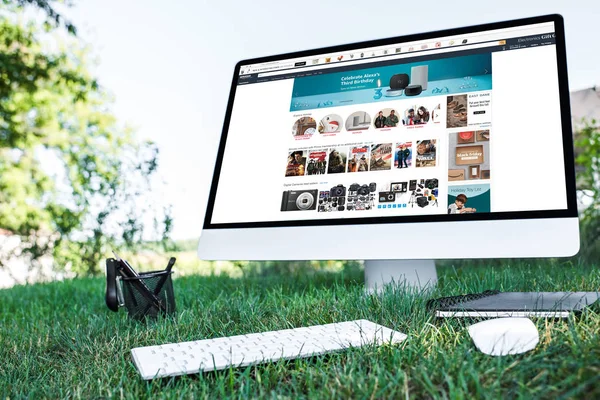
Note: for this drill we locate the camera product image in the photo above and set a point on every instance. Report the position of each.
(431, 183)
(422, 201)
(337, 191)
(425, 193)
(323, 201)
(387, 197)
(333, 199)
(363, 191)
(361, 197)
(299, 200)
(412, 185)
(399, 187)
(322, 196)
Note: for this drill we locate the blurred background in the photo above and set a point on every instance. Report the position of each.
(111, 111)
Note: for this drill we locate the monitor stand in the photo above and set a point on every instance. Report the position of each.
(419, 275)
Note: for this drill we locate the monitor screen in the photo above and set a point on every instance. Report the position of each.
(463, 125)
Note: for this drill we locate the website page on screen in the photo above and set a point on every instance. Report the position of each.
(454, 125)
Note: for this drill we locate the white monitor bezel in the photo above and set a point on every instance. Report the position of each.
(262, 239)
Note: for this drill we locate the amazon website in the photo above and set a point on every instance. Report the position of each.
(445, 126)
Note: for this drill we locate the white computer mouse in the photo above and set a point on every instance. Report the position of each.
(503, 336)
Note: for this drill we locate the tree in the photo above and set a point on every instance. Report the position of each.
(587, 144)
(72, 178)
(53, 18)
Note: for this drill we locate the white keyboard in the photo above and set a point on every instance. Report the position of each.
(239, 351)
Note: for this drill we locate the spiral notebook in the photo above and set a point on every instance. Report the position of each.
(493, 303)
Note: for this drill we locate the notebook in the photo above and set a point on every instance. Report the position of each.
(493, 303)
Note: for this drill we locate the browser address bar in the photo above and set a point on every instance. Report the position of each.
(393, 57)
(289, 65)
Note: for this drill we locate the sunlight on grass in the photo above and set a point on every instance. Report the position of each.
(69, 345)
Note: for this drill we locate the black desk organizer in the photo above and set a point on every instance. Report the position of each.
(145, 296)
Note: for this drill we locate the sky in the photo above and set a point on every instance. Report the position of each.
(169, 64)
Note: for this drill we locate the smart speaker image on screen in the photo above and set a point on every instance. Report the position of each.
(367, 132)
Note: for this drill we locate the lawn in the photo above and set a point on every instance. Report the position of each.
(59, 339)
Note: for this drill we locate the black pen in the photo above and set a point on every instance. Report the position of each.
(127, 271)
(166, 276)
(163, 279)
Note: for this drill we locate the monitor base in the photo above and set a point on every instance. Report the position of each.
(416, 275)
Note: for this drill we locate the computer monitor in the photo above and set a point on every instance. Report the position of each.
(448, 144)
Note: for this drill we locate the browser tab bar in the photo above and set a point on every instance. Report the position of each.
(390, 51)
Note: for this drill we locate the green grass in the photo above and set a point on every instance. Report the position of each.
(59, 340)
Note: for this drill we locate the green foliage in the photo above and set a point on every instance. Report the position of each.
(186, 245)
(265, 268)
(588, 173)
(72, 179)
(53, 20)
(72, 346)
